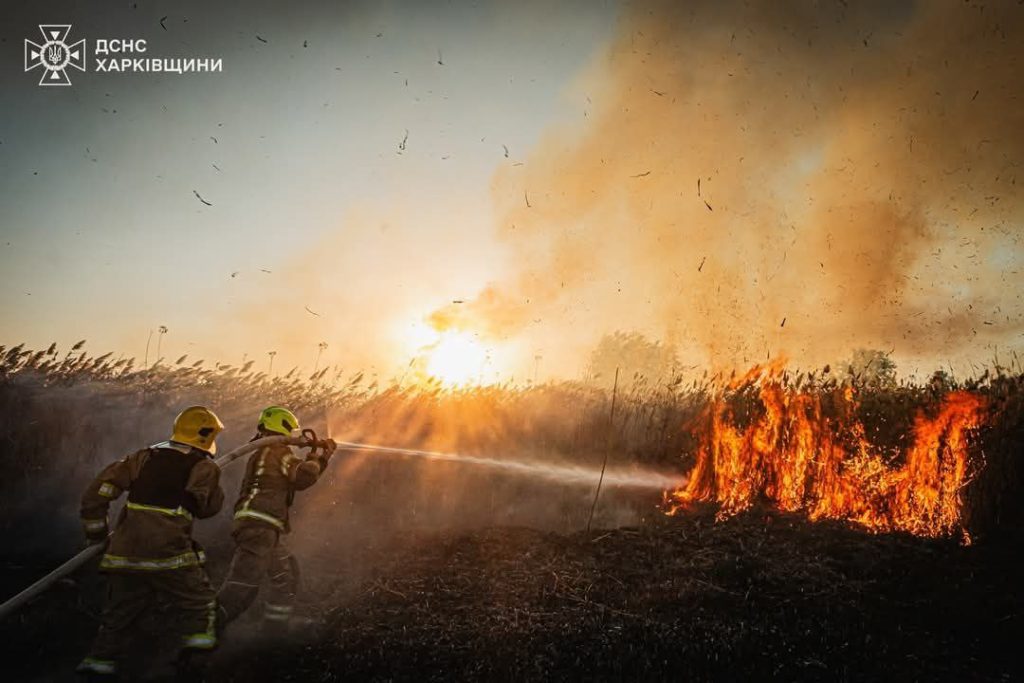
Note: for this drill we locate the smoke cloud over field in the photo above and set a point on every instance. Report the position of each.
(734, 179)
(777, 178)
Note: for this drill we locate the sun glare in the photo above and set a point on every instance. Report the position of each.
(456, 359)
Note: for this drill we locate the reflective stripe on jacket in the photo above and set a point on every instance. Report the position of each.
(272, 475)
(168, 485)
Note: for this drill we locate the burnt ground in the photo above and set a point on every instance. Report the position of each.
(759, 596)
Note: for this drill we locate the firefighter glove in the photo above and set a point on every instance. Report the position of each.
(95, 529)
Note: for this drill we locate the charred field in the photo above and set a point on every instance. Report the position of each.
(758, 596)
(421, 570)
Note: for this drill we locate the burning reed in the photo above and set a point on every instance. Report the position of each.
(806, 449)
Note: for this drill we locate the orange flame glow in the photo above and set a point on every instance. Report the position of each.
(807, 451)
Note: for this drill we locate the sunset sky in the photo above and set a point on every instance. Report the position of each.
(537, 162)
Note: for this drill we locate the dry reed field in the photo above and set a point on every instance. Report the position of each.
(774, 523)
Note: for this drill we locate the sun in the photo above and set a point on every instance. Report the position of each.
(452, 357)
(456, 359)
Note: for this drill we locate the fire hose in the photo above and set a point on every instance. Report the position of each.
(307, 439)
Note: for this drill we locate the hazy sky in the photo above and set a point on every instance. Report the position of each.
(103, 237)
(535, 161)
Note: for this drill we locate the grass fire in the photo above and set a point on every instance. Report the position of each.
(806, 450)
(512, 341)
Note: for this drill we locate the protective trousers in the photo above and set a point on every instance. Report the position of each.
(259, 553)
(188, 593)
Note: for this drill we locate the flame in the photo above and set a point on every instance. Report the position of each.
(805, 450)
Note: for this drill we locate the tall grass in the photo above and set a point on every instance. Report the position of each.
(64, 412)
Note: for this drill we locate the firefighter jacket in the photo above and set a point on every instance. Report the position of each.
(168, 486)
(272, 476)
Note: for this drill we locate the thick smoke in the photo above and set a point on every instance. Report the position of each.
(766, 178)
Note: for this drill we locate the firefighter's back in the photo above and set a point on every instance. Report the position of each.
(151, 555)
(155, 528)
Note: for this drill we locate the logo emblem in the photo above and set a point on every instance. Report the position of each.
(55, 55)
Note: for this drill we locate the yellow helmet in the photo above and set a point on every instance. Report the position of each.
(278, 420)
(197, 426)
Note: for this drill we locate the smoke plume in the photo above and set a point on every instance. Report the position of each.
(764, 178)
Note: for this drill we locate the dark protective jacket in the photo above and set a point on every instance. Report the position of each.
(168, 486)
(272, 476)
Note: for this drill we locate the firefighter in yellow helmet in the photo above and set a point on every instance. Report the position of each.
(151, 557)
(273, 475)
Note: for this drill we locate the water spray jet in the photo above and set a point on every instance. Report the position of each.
(572, 475)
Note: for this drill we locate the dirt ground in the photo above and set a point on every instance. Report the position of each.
(759, 596)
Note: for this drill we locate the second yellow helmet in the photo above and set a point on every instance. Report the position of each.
(278, 420)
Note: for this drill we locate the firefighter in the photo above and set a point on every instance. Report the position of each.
(273, 475)
(151, 557)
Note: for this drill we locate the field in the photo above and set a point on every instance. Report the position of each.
(825, 526)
